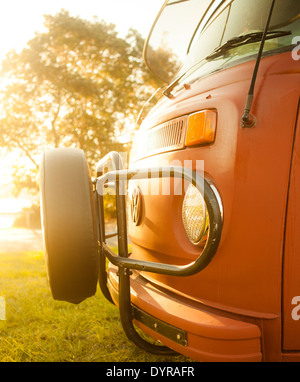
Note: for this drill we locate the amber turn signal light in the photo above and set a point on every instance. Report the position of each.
(201, 128)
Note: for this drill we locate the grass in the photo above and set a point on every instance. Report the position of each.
(39, 329)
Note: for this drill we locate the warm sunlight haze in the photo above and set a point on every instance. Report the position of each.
(20, 21)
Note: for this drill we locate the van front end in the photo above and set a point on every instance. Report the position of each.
(209, 202)
(230, 309)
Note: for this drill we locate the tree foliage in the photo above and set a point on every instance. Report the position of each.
(76, 84)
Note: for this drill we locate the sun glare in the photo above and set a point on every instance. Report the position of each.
(9, 209)
(6, 221)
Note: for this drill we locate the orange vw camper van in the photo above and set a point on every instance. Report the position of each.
(210, 199)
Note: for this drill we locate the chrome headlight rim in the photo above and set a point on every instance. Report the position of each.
(218, 200)
(199, 236)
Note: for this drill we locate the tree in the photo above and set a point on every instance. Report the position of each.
(77, 84)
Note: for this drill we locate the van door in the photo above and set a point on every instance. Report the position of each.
(291, 264)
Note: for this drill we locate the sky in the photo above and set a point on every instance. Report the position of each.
(21, 19)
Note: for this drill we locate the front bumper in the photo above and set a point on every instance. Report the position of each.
(187, 327)
(180, 324)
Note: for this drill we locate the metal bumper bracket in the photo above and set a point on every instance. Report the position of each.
(161, 327)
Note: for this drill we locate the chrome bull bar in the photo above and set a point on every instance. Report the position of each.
(110, 169)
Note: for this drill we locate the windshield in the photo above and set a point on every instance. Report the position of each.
(174, 28)
(187, 32)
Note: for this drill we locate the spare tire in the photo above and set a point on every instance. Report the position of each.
(69, 225)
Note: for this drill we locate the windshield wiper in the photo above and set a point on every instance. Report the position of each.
(141, 113)
(168, 91)
(248, 38)
(232, 43)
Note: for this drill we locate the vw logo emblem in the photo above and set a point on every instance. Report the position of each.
(136, 200)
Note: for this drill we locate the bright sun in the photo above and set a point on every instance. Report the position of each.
(9, 205)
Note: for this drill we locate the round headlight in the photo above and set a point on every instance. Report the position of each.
(194, 215)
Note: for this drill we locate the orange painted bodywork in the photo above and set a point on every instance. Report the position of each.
(239, 306)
